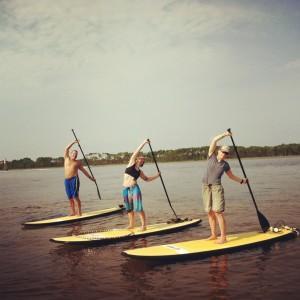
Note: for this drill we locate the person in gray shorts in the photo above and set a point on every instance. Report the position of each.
(212, 189)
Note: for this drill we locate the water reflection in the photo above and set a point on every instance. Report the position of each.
(218, 282)
(139, 243)
(75, 229)
(138, 275)
(71, 256)
(32, 266)
(134, 273)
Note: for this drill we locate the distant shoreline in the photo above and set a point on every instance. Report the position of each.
(162, 156)
(163, 162)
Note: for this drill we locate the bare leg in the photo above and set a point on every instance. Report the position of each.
(222, 225)
(131, 220)
(78, 205)
(212, 224)
(143, 220)
(72, 207)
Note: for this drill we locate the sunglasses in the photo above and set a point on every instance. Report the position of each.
(225, 152)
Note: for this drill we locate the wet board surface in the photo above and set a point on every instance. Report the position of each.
(209, 247)
(70, 219)
(120, 234)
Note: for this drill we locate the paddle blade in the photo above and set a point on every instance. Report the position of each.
(177, 220)
(264, 223)
(98, 192)
(99, 196)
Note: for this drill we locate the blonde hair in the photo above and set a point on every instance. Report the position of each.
(140, 157)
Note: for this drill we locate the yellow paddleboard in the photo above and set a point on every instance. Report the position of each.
(121, 234)
(70, 219)
(207, 247)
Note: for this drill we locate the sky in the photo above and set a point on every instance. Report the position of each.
(120, 71)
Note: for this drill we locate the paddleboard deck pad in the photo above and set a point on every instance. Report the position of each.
(198, 248)
(114, 235)
(71, 219)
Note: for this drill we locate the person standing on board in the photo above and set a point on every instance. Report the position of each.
(212, 189)
(131, 192)
(72, 166)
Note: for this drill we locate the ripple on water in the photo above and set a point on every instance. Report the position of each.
(34, 268)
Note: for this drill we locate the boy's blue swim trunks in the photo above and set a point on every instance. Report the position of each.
(72, 187)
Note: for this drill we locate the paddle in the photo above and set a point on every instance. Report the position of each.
(264, 223)
(87, 164)
(177, 219)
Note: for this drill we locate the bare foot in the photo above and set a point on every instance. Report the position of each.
(129, 227)
(212, 237)
(143, 228)
(221, 241)
(72, 214)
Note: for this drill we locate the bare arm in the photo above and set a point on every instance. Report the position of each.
(148, 179)
(214, 141)
(136, 152)
(66, 153)
(85, 172)
(236, 178)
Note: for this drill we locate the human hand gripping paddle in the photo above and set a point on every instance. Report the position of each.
(154, 159)
(264, 223)
(87, 164)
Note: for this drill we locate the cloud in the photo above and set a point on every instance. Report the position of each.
(45, 42)
(97, 61)
(50, 45)
(293, 65)
(71, 27)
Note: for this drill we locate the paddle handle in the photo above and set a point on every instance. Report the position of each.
(98, 192)
(162, 181)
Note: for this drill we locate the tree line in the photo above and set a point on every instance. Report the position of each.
(183, 154)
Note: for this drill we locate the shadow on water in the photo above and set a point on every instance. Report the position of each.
(134, 273)
(219, 269)
(140, 275)
(72, 256)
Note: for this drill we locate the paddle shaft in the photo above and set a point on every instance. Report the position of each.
(264, 223)
(238, 156)
(98, 192)
(161, 179)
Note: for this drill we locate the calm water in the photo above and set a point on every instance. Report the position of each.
(34, 268)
